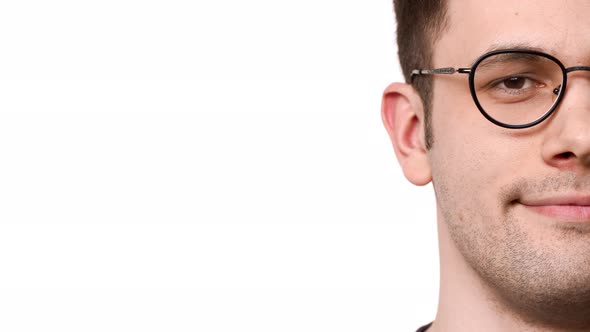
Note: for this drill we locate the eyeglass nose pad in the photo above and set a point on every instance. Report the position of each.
(556, 90)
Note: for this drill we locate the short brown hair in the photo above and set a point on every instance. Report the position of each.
(420, 24)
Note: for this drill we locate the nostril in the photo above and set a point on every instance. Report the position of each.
(565, 155)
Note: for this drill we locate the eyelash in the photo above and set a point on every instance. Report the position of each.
(496, 84)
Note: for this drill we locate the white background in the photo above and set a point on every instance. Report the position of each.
(206, 166)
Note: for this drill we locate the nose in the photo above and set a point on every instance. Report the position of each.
(568, 144)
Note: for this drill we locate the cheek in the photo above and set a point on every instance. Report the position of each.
(469, 163)
(471, 169)
(465, 144)
(462, 167)
(466, 192)
(455, 116)
(461, 149)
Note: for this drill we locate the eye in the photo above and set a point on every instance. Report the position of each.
(516, 83)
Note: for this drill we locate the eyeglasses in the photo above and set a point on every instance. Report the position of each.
(514, 88)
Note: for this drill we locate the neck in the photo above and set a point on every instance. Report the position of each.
(465, 303)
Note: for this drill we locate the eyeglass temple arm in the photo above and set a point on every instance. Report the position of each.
(436, 71)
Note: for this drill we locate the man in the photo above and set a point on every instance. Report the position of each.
(504, 136)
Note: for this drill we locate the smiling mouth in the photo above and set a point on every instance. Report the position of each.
(567, 213)
(573, 209)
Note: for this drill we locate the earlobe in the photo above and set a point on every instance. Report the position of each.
(402, 114)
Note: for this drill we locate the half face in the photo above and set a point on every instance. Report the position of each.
(516, 202)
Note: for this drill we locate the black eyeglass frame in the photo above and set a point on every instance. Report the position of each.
(559, 91)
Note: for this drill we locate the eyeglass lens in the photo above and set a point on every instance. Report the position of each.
(517, 88)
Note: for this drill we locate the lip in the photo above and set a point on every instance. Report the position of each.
(567, 208)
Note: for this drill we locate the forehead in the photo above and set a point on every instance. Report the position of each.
(559, 27)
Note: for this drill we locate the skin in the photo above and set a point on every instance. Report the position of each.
(505, 266)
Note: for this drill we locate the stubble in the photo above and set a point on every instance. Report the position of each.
(536, 272)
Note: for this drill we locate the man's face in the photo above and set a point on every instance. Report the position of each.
(503, 193)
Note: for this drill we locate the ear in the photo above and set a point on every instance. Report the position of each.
(402, 112)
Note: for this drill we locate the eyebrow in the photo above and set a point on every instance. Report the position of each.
(512, 46)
